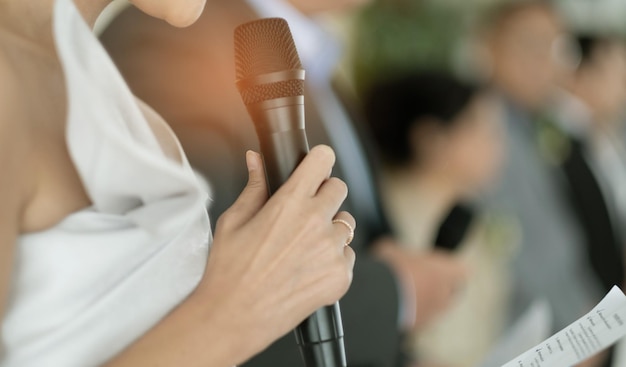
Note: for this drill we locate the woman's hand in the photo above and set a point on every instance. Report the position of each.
(431, 278)
(274, 262)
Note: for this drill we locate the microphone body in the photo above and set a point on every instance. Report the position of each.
(274, 98)
(280, 127)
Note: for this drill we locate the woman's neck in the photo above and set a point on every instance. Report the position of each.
(31, 20)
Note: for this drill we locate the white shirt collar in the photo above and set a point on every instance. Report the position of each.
(573, 115)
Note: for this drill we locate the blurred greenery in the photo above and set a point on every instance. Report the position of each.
(393, 36)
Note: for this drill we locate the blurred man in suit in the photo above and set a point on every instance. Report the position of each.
(589, 115)
(392, 290)
(593, 158)
(524, 42)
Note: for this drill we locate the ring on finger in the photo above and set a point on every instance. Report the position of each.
(349, 226)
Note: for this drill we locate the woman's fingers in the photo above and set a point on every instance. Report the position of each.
(341, 268)
(285, 255)
(331, 195)
(312, 172)
(350, 256)
(253, 197)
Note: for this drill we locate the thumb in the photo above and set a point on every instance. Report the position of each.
(253, 196)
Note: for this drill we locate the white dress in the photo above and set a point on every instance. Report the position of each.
(85, 289)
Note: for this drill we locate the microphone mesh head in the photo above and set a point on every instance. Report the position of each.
(266, 46)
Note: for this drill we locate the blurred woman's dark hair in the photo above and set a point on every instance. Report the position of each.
(394, 107)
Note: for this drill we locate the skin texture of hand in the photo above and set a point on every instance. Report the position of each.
(434, 277)
(274, 262)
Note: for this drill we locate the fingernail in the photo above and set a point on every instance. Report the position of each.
(252, 160)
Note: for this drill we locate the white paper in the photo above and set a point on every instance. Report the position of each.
(599, 329)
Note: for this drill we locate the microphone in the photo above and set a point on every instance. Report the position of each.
(454, 228)
(270, 79)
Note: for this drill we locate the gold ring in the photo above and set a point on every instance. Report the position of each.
(345, 223)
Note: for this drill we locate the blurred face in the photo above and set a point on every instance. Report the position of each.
(523, 56)
(179, 13)
(470, 152)
(603, 82)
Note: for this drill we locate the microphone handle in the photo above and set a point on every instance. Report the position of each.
(320, 336)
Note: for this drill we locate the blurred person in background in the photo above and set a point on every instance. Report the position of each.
(440, 142)
(589, 148)
(592, 154)
(393, 289)
(524, 47)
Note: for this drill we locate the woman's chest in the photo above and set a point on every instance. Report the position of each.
(57, 188)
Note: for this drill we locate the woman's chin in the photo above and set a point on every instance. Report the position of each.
(181, 22)
(184, 19)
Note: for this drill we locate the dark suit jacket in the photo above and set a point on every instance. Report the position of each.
(604, 244)
(187, 75)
